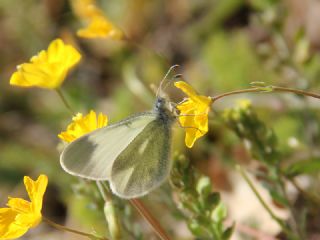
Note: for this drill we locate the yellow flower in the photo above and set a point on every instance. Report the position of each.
(96, 24)
(242, 106)
(85, 9)
(49, 68)
(244, 103)
(81, 125)
(193, 113)
(100, 27)
(22, 214)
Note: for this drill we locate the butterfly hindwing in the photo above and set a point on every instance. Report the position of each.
(143, 164)
(92, 155)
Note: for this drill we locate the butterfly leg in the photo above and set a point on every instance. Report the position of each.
(190, 127)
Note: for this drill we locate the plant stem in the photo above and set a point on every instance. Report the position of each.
(312, 197)
(65, 102)
(110, 212)
(247, 90)
(262, 89)
(63, 228)
(102, 191)
(263, 203)
(296, 91)
(139, 206)
(250, 231)
(292, 211)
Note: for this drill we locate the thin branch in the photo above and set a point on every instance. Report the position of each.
(250, 231)
(139, 206)
(63, 228)
(292, 211)
(263, 203)
(65, 102)
(311, 196)
(263, 89)
(296, 91)
(215, 98)
(102, 191)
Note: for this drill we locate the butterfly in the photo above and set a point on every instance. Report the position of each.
(133, 154)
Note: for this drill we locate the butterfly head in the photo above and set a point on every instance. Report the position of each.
(165, 109)
(160, 104)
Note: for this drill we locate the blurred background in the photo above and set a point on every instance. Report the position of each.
(220, 45)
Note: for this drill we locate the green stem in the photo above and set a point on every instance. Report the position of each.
(263, 203)
(65, 102)
(310, 196)
(215, 98)
(102, 191)
(63, 228)
(296, 91)
(262, 89)
(110, 212)
(292, 211)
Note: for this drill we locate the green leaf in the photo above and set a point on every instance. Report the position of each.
(204, 186)
(196, 228)
(278, 198)
(219, 213)
(303, 167)
(228, 232)
(213, 200)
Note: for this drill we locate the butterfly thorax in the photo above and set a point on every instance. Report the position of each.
(161, 108)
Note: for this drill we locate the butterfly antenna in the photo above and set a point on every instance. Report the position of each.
(165, 77)
(177, 76)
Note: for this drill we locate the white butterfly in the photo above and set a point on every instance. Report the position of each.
(133, 154)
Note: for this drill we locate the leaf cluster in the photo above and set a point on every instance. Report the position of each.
(202, 208)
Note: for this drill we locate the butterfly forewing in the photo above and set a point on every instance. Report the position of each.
(144, 164)
(92, 155)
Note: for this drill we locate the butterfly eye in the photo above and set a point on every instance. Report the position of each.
(160, 103)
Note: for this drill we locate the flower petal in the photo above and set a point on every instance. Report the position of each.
(9, 229)
(19, 205)
(186, 88)
(49, 68)
(82, 125)
(22, 215)
(97, 25)
(102, 120)
(36, 190)
(193, 113)
(100, 27)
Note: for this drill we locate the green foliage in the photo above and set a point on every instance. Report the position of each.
(259, 139)
(303, 167)
(93, 205)
(262, 4)
(262, 143)
(221, 45)
(202, 208)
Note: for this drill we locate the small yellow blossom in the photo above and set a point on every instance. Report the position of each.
(243, 103)
(85, 9)
(22, 214)
(96, 23)
(242, 106)
(49, 68)
(193, 113)
(100, 27)
(81, 125)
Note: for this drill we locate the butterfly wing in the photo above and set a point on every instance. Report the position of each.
(144, 164)
(92, 155)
